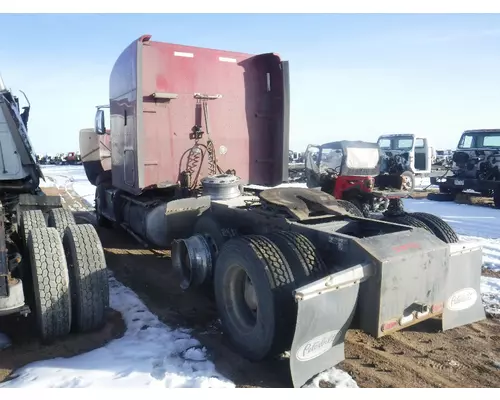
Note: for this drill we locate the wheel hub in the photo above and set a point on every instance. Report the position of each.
(250, 295)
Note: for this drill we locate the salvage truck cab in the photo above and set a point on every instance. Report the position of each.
(347, 170)
(476, 166)
(404, 155)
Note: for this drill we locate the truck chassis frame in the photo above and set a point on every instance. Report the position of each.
(309, 268)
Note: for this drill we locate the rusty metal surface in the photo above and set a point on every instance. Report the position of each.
(302, 202)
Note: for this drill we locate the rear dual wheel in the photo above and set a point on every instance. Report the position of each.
(353, 207)
(440, 228)
(253, 283)
(60, 218)
(88, 277)
(430, 222)
(69, 279)
(406, 219)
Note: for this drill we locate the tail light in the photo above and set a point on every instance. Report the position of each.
(389, 325)
(437, 308)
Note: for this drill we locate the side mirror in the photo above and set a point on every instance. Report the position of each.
(100, 126)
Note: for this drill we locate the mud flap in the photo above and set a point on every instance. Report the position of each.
(463, 304)
(325, 311)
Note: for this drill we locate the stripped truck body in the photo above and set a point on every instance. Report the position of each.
(348, 170)
(475, 166)
(192, 130)
(49, 266)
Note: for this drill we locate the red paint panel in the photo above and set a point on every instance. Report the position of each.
(248, 124)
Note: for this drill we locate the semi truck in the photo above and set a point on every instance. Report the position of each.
(193, 133)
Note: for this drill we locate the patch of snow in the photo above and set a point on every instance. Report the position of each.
(470, 222)
(86, 191)
(336, 377)
(47, 183)
(490, 293)
(70, 178)
(150, 354)
(4, 341)
(491, 251)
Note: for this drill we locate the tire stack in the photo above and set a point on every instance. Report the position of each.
(68, 270)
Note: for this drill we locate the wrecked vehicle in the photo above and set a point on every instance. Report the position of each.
(405, 158)
(347, 170)
(444, 158)
(49, 265)
(289, 268)
(476, 166)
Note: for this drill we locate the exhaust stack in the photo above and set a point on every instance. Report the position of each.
(192, 258)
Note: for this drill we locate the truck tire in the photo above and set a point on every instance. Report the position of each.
(305, 262)
(351, 208)
(60, 218)
(496, 198)
(268, 331)
(88, 277)
(441, 196)
(51, 285)
(30, 219)
(441, 229)
(445, 190)
(407, 219)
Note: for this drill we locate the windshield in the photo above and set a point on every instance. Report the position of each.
(355, 158)
(396, 143)
(330, 159)
(479, 140)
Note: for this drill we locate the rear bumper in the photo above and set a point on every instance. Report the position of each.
(389, 294)
(391, 194)
(464, 183)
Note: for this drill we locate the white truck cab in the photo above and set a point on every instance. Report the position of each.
(414, 152)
